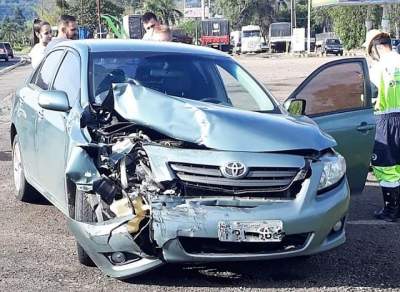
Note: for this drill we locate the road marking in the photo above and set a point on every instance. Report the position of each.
(370, 222)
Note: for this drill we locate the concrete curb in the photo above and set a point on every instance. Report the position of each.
(23, 61)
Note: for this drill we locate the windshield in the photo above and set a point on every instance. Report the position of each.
(209, 79)
(332, 42)
(251, 33)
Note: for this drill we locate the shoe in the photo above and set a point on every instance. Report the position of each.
(390, 211)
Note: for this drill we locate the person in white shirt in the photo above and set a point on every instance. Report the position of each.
(42, 36)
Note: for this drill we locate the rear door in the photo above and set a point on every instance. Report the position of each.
(338, 99)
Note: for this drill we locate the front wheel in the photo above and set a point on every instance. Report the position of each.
(24, 192)
(83, 213)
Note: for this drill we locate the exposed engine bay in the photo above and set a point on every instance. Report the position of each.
(128, 186)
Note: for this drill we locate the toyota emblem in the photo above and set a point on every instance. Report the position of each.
(234, 170)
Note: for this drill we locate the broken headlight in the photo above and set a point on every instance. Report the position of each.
(333, 172)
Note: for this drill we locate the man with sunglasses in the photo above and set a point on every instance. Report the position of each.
(385, 75)
(150, 22)
(67, 30)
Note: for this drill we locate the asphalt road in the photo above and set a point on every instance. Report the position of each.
(37, 252)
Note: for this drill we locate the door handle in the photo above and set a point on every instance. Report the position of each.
(364, 127)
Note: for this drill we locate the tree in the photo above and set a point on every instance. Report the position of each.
(189, 26)
(8, 30)
(164, 9)
(19, 18)
(245, 12)
(86, 11)
(394, 17)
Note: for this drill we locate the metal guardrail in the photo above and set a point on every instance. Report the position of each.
(24, 60)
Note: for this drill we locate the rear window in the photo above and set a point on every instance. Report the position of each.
(333, 42)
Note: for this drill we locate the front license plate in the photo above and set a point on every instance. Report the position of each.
(258, 231)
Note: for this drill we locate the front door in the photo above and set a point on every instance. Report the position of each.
(53, 134)
(338, 99)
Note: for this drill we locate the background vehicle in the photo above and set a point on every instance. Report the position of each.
(9, 50)
(215, 33)
(179, 36)
(396, 45)
(236, 41)
(280, 37)
(252, 40)
(140, 189)
(133, 26)
(332, 46)
(328, 43)
(3, 52)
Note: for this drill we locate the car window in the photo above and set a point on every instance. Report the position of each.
(47, 70)
(334, 89)
(201, 78)
(242, 97)
(68, 78)
(8, 46)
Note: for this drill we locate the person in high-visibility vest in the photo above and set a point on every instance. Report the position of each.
(385, 75)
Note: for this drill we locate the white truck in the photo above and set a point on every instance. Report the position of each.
(252, 40)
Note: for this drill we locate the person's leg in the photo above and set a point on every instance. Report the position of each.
(386, 164)
(391, 198)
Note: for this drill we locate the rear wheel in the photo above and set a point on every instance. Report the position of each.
(23, 190)
(83, 213)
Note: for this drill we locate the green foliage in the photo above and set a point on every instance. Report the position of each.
(164, 9)
(394, 17)
(86, 11)
(189, 26)
(349, 24)
(15, 30)
(245, 12)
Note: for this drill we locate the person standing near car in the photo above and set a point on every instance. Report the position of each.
(41, 37)
(67, 30)
(150, 22)
(385, 75)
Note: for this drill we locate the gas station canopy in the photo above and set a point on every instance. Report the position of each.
(319, 3)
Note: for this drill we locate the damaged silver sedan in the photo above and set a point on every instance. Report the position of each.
(166, 153)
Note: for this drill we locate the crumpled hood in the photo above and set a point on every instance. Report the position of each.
(214, 126)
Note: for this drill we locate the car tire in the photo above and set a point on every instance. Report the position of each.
(24, 192)
(83, 213)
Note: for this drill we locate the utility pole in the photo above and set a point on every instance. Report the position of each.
(309, 28)
(203, 11)
(98, 17)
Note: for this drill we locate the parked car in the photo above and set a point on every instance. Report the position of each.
(3, 52)
(9, 50)
(167, 153)
(395, 43)
(332, 46)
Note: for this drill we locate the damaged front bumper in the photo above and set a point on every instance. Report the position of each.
(186, 230)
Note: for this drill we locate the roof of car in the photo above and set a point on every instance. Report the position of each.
(114, 45)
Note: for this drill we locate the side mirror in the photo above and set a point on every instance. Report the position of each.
(296, 107)
(54, 100)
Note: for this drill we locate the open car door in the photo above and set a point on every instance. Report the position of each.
(338, 98)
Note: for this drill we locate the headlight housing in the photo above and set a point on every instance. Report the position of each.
(333, 172)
